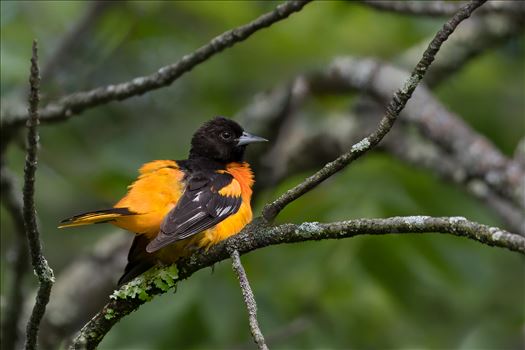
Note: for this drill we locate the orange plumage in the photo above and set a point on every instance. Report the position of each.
(175, 207)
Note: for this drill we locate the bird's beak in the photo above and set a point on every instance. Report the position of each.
(249, 138)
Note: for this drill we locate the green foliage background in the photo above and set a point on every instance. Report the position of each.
(402, 292)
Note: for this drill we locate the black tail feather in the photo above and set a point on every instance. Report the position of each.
(139, 261)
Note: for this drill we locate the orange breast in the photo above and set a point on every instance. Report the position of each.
(244, 175)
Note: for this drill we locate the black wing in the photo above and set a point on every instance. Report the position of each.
(200, 207)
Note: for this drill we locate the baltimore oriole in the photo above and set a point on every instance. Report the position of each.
(176, 206)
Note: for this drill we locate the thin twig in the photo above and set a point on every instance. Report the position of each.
(280, 335)
(249, 300)
(259, 234)
(80, 101)
(40, 265)
(12, 199)
(440, 7)
(393, 109)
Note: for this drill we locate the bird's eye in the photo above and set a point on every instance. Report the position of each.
(226, 135)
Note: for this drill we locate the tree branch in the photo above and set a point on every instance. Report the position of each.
(441, 8)
(260, 234)
(249, 300)
(76, 103)
(40, 265)
(479, 156)
(393, 109)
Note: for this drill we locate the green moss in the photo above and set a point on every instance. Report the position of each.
(162, 278)
(110, 313)
(95, 335)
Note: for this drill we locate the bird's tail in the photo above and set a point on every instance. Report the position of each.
(95, 217)
(139, 261)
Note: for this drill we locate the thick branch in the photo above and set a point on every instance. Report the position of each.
(476, 153)
(40, 265)
(80, 101)
(440, 7)
(393, 109)
(249, 300)
(259, 235)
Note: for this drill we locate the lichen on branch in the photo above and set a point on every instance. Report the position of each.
(259, 234)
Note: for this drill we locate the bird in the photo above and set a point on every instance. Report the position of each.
(175, 207)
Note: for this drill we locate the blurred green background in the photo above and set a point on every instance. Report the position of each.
(396, 292)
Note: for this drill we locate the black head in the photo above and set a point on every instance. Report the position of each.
(222, 140)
